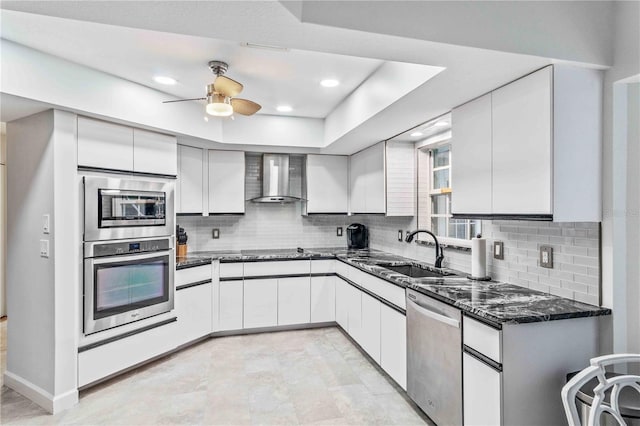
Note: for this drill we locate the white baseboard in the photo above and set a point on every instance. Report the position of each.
(53, 404)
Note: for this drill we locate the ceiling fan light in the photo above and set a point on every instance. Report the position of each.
(219, 106)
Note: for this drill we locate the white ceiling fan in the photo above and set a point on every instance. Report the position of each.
(221, 95)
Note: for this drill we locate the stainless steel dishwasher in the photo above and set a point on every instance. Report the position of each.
(434, 358)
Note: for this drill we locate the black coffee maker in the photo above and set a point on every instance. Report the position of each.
(357, 236)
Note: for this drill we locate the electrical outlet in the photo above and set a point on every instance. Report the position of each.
(44, 248)
(400, 235)
(498, 250)
(45, 223)
(339, 231)
(546, 256)
(216, 233)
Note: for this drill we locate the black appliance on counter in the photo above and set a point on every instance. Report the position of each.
(357, 236)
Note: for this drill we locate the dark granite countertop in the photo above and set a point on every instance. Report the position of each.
(495, 302)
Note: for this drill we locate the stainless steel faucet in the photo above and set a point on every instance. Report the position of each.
(439, 255)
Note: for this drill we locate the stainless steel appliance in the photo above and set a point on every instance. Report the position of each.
(275, 180)
(357, 236)
(126, 281)
(434, 358)
(116, 208)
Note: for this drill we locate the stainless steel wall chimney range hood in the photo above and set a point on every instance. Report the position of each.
(275, 180)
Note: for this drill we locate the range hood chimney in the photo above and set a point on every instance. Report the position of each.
(275, 180)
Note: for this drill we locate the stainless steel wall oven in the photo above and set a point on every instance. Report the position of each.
(126, 281)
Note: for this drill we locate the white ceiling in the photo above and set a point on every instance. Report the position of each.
(270, 77)
(470, 71)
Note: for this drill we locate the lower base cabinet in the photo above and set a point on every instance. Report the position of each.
(229, 306)
(260, 303)
(393, 344)
(323, 299)
(193, 312)
(371, 326)
(481, 392)
(342, 312)
(294, 295)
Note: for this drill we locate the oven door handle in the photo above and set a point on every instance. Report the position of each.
(140, 256)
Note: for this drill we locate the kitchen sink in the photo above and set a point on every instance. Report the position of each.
(414, 271)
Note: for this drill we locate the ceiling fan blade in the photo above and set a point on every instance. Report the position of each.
(244, 106)
(184, 100)
(226, 86)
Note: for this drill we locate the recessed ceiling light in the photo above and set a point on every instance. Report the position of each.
(440, 123)
(164, 80)
(284, 108)
(329, 82)
(416, 134)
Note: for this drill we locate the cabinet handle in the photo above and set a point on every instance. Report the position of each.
(482, 358)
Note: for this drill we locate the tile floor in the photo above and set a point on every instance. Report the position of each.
(294, 377)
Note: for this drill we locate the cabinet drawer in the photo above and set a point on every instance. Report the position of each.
(482, 338)
(382, 288)
(231, 270)
(482, 393)
(323, 266)
(193, 275)
(285, 267)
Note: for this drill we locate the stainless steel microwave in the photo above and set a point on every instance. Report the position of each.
(116, 208)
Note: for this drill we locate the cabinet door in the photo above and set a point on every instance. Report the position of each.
(342, 304)
(226, 181)
(393, 344)
(230, 305)
(371, 326)
(357, 187)
(154, 153)
(471, 155)
(327, 183)
(190, 179)
(481, 393)
(104, 145)
(354, 312)
(323, 299)
(193, 310)
(294, 300)
(260, 303)
(375, 185)
(522, 145)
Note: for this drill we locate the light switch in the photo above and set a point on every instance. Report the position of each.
(44, 248)
(216, 233)
(400, 235)
(339, 231)
(45, 223)
(498, 250)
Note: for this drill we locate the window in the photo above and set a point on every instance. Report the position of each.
(434, 195)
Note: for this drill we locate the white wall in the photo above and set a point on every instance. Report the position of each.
(42, 292)
(3, 218)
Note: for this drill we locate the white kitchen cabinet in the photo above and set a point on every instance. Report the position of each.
(393, 344)
(400, 178)
(193, 311)
(327, 184)
(260, 303)
(104, 145)
(154, 153)
(323, 298)
(226, 181)
(472, 155)
(190, 182)
(354, 313)
(230, 305)
(481, 393)
(294, 295)
(371, 326)
(342, 304)
(357, 187)
(522, 145)
(545, 148)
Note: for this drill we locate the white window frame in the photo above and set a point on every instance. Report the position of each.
(425, 149)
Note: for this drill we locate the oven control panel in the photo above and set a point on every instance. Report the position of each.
(115, 248)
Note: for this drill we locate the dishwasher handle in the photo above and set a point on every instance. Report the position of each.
(434, 315)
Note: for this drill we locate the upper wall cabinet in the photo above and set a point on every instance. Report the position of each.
(109, 146)
(190, 183)
(382, 180)
(226, 181)
(154, 153)
(531, 149)
(327, 184)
